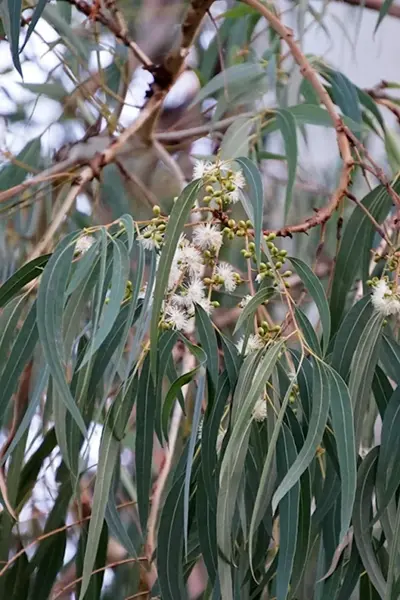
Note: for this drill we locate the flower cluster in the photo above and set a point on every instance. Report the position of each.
(385, 297)
(222, 184)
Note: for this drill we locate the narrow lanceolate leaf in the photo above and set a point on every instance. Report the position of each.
(208, 340)
(13, 17)
(24, 275)
(170, 536)
(287, 125)
(358, 234)
(20, 354)
(209, 439)
(50, 307)
(206, 517)
(349, 335)
(37, 13)
(49, 567)
(256, 194)
(310, 337)
(362, 369)
(176, 222)
(235, 453)
(120, 269)
(8, 325)
(192, 443)
(393, 560)
(383, 12)
(129, 226)
(362, 518)
(343, 429)
(250, 308)
(317, 293)
(286, 454)
(321, 399)
(109, 448)
(145, 417)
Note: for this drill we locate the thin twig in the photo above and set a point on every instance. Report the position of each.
(309, 73)
(111, 565)
(49, 534)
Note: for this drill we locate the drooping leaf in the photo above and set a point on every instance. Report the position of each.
(235, 453)
(192, 442)
(321, 399)
(177, 219)
(24, 275)
(361, 520)
(287, 125)
(259, 297)
(145, 417)
(286, 454)
(317, 293)
(109, 448)
(50, 307)
(256, 195)
(357, 235)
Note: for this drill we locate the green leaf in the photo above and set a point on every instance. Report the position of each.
(13, 18)
(317, 293)
(145, 418)
(8, 325)
(361, 520)
(208, 340)
(235, 453)
(362, 369)
(14, 174)
(232, 77)
(120, 270)
(49, 567)
(287, 125)
(20, 354)
(37, 13)
(129, 226)
(109, 449)
(385, 7)
(50, 308)
(192, 442)
(236, 139)
(357, 239)
(343, 429)
(393, 560)
(259, 298)
(178, 217)
(209, 437)
(207, 531)
(322, 393)
(286, 454)
(349, 335)
(256, 194)
(24, 275)
(308, 331)
(170, 539)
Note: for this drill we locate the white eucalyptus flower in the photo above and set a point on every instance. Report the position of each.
(84, 243)
(202, 169)
(207, 236)
(190, 258)
(244, 301)
(177, 317)
(226, 271)
(254, 343)
(260, 410)
(384, 300)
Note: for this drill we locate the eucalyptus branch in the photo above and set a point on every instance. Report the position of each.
(114, 27)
